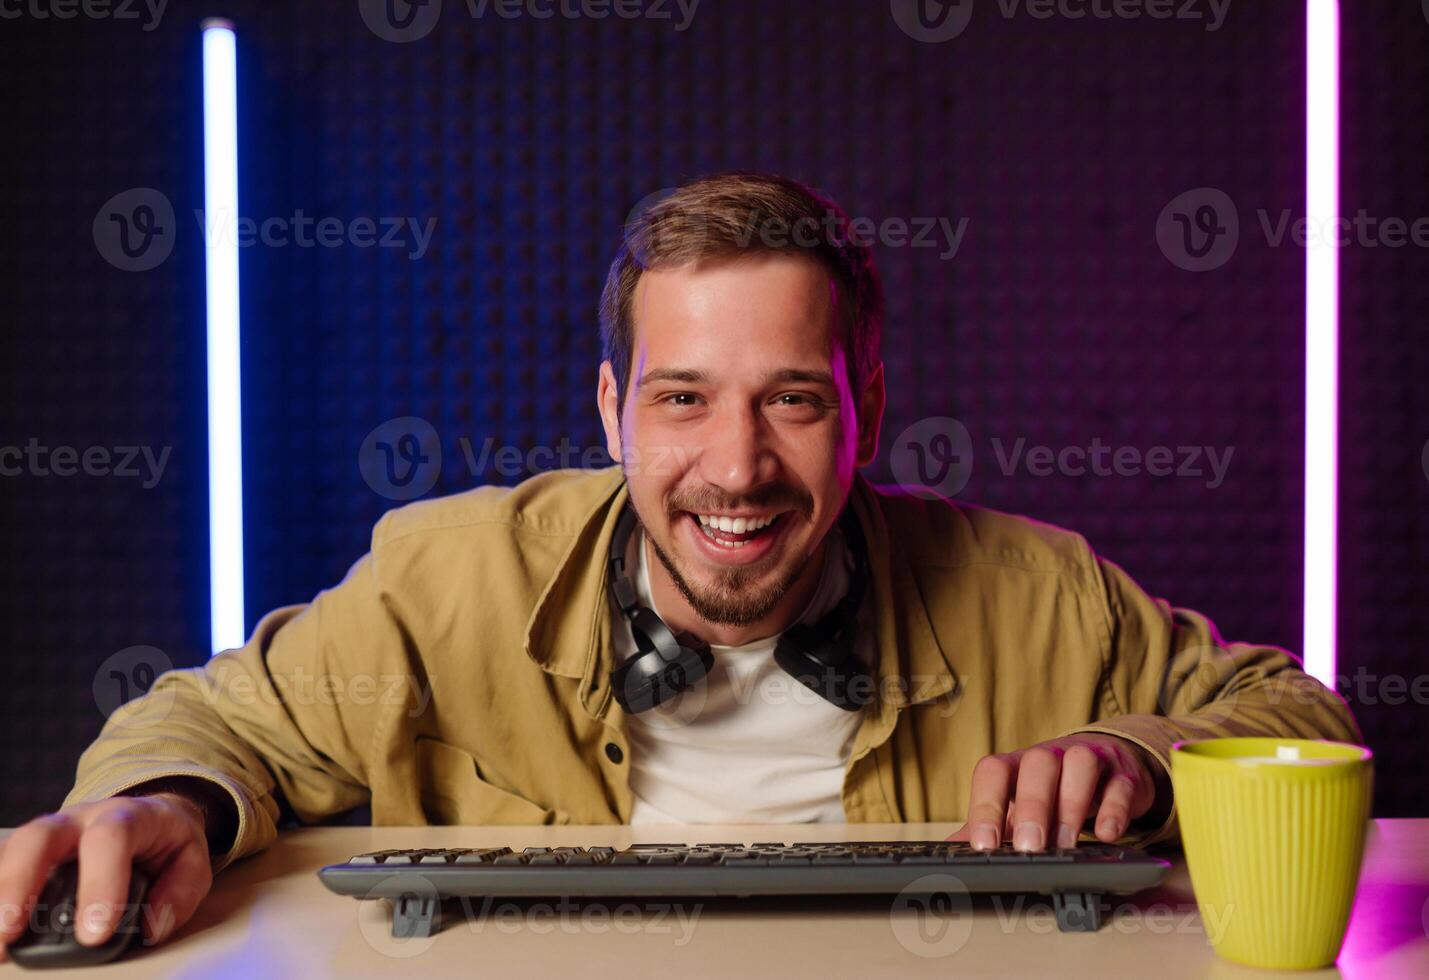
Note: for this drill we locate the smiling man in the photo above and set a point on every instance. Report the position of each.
(730, 625)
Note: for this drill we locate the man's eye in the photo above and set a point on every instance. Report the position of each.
(799, 399)
(680, 394)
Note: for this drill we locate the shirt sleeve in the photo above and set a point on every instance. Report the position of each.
(1169, 676)
(293, 712)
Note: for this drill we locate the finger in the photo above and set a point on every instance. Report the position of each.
(30, 852)
(1115, 812)
(1038, 773)
(963, 832)
(987, 808)
(175, 895)
(1081, 773)
(106, 856)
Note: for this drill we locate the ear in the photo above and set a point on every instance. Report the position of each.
(871, 403)
(607, 400)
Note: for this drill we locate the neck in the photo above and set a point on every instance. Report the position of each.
(680, 616)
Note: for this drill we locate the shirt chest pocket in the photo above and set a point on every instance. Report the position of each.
(453, 792)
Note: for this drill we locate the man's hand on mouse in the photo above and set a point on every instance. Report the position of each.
(163, 833)
(1041, 796)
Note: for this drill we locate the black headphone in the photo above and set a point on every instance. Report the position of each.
(820, 655)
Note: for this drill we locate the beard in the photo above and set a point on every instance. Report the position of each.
(735, 597)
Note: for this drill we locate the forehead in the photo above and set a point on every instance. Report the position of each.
(732, 311)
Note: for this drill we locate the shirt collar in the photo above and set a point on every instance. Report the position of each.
(569, 632)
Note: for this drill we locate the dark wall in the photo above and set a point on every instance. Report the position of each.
(1061, 320)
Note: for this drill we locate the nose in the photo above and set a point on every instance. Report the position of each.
(738, 457)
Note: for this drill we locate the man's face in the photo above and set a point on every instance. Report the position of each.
(739, 410)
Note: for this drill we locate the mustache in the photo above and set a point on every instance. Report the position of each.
(708, 503)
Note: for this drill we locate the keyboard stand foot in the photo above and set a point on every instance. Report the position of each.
(1078, 911)
(415, 916)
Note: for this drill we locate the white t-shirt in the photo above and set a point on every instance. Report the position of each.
(749, 743)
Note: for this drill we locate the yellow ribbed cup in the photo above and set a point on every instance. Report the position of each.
(1274, 830)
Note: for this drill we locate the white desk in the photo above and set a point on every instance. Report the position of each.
(269, 916)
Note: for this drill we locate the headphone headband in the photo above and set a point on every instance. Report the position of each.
(820, 655)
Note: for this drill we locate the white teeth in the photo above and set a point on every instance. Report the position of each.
(735, 525)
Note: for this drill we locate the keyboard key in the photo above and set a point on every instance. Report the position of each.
(873, 857)
(1008, 857)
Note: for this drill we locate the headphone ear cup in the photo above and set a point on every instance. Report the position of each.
(813, 658)
(665, 665)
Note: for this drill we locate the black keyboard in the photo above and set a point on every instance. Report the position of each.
(417, 879)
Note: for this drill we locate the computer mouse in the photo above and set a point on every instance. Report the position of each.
(49, 941)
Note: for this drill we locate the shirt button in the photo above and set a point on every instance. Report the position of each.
(613, 753)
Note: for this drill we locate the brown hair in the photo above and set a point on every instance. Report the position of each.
(743, 212)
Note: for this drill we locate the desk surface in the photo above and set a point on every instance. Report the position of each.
(270, 916)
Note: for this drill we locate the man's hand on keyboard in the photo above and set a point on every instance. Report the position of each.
(1041, 796)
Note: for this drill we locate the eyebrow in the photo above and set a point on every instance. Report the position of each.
(694, 376)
